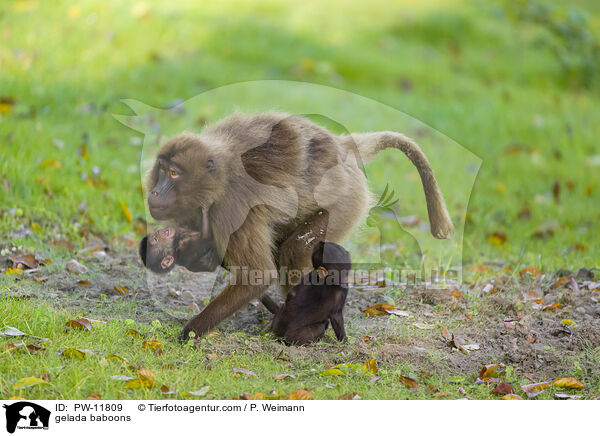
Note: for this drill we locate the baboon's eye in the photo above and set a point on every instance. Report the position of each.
(174, 174)
(210, 164)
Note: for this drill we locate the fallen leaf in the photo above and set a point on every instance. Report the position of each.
(534, 389)
(398, 312)
(244, 371)
(408, 382)
(454, 342)
(567, 397)
(471, 347)
(126, 212)
(138, 383)
(199, 393)
(349, 396)
(560, 282)
(457, 294)
(121, 377)
(84, 282)
(115, 357)
(333, 372)
(284, 376)
(446, 334)
(497, 239)
(28, 260)
(370, 366)
(568, 382)
(378, 310)
(152, 345)
(76, 267)
(134, 333)
(552, 306)
(568, 323)
(146, 374)
(6, 104)
(164, 389)
(300, 395)
(94, 396)
(28, 382)
(80, 323)
(502, 389)
(11, 331)
(530, 270)
(122, 290)
(489, 289)
(489, 371)
(511, 397)
(74, 353)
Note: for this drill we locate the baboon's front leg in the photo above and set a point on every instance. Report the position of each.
(252, 269)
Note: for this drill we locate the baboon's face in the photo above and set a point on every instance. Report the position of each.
(186, 179)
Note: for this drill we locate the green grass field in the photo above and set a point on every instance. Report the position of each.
(470, 83)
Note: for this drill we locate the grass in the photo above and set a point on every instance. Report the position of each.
(189, 368)
(69, 170)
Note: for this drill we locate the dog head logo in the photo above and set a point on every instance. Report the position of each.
(26, 415)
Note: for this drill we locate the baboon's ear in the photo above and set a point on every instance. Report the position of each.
(143, 249)
(167, 262)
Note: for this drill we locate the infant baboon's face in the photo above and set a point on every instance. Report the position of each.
(160, 248)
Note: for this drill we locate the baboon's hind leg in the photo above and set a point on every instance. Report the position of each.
(294, 255)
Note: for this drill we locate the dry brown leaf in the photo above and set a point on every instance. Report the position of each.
(457, 294)
(94, 396)
(378, 310)
(560, 282)
(502, 389)
(348, 396)
(300, 395)
(284, 376)
(489, 371)
(530, 270)
(80, 323)
(122, 290)
(27, 260)
(408, 382)
(552, 306)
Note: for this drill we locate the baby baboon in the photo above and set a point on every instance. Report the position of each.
(246, 168)
(319, 298)
(165, 248)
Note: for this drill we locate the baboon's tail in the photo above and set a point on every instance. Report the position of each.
(369, 144)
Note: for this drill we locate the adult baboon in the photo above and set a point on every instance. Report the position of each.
(259, 177)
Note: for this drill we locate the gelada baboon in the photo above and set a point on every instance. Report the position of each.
(318, 299)
(244, 170)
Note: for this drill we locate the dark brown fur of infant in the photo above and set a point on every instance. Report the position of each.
(162, 250)
(318, 299)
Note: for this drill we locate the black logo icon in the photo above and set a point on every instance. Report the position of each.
(24, 414)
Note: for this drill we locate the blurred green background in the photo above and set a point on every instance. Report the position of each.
(516, 83)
